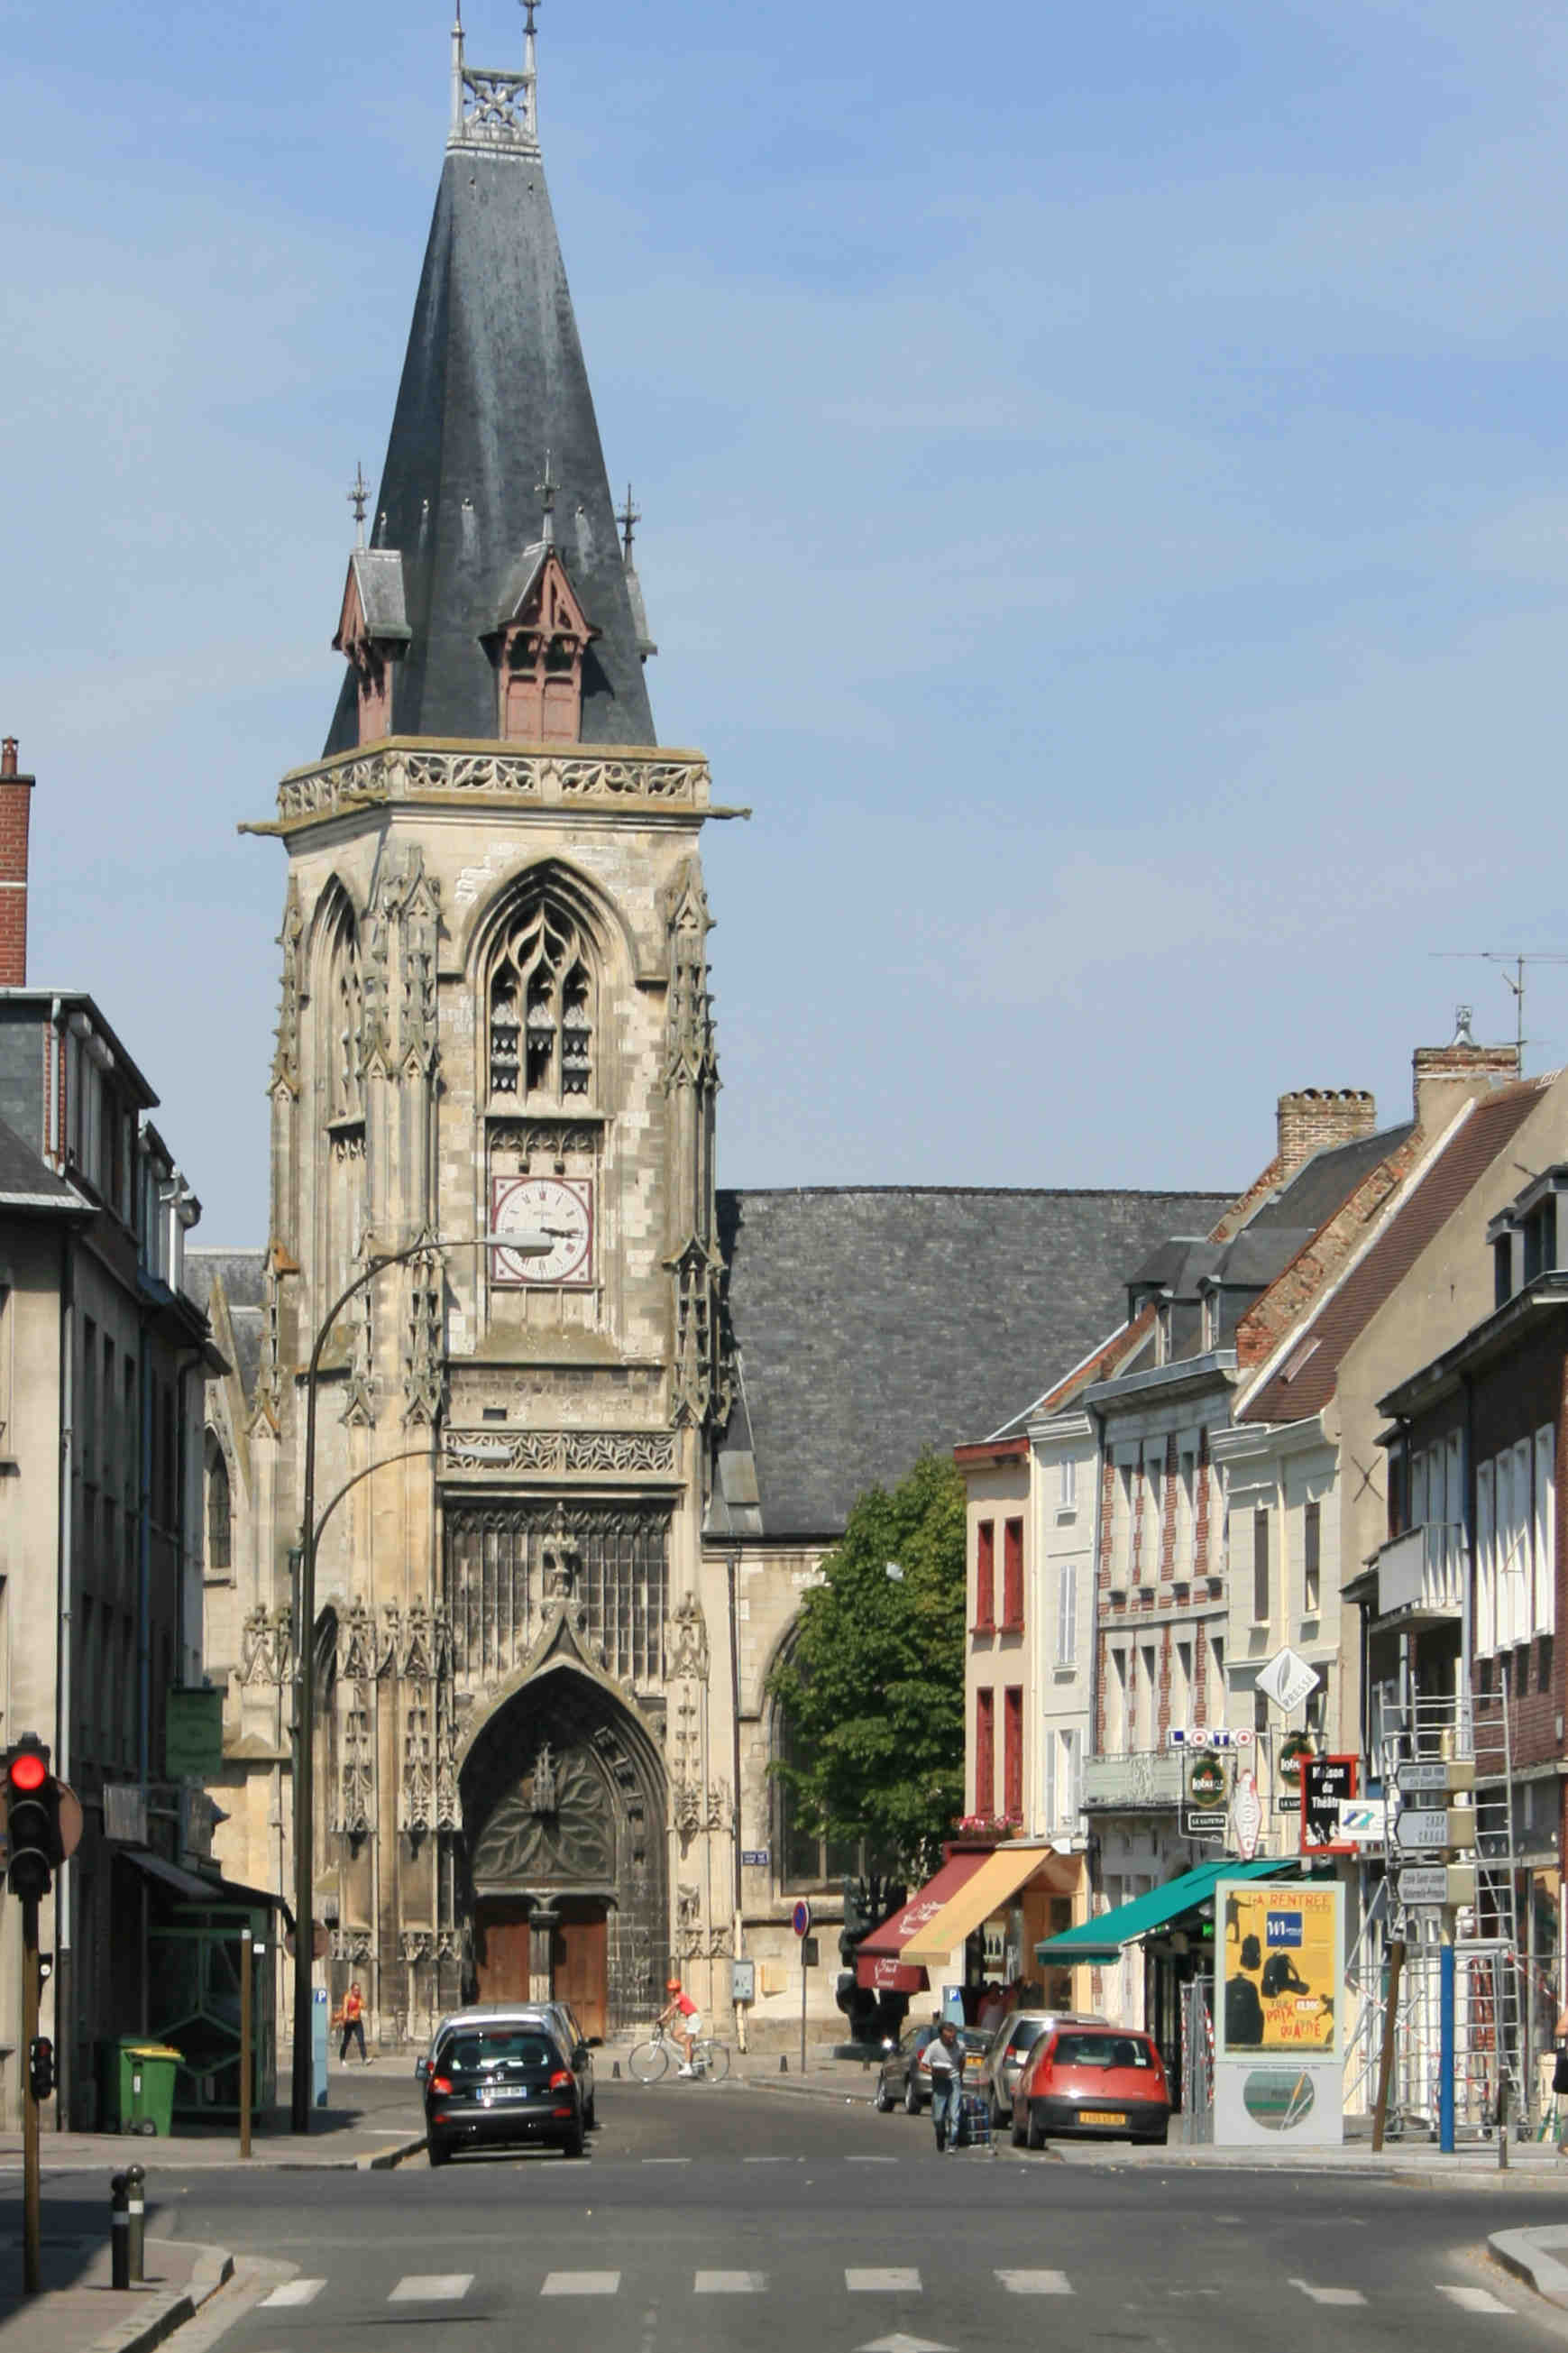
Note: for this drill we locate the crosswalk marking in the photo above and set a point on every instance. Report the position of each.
(1329, 2294)
(1036, 2283)
(666, 2161)
(582, 2284)
(1478, 2299)
(432, 2287)
(870, 2160)
(299, 2291)
(888, 2281)
(729, 2283)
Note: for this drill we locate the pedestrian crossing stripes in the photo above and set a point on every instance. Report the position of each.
(1476, 2299)
(292, 2292)
(1329, 2294)
(582, 2284)
(432, 2287)
(1036, 2283)
(731, 2283)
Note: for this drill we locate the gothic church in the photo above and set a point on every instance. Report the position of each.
(567, 1492)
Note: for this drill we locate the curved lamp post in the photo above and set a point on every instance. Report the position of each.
(520, 1245)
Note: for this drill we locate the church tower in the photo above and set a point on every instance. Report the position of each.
(495, 1023)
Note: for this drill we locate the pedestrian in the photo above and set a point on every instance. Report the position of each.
(1560, 2081)
(351, 2018)
(992, 2009)
(944, 2058)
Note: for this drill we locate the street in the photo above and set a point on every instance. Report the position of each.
(742, 2217)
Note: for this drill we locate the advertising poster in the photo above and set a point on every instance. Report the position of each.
(1280, 2023)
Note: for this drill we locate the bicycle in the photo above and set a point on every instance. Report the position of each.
(650, 2060)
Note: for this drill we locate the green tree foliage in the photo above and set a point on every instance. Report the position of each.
(873, 1685)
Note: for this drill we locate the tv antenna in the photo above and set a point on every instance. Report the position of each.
(1520, 959)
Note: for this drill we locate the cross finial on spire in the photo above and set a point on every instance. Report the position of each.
(529, 8)
(547, 490)
(357, 497)
(628, 519)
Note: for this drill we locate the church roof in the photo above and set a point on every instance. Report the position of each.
(243, 1276)
(874, 1321)
(494, 399)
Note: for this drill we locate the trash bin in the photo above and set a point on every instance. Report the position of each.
(147, 2087)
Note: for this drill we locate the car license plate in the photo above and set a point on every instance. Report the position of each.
(507, 2092)
(1102, 2115)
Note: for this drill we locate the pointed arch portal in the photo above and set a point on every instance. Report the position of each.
(563, 1808)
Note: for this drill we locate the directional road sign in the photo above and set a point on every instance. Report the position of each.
(1432, 1830)
(1441, 1884)
(1422, 1777)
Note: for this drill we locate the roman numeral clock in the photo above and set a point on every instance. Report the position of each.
(559, 1207)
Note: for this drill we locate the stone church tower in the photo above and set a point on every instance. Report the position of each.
(495, 1020)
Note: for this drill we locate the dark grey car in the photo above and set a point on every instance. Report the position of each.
(902, 2076)
(563, 2024)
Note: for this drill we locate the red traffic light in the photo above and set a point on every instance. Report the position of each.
(28, 1770)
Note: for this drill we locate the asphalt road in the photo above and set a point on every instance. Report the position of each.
(731, 2217)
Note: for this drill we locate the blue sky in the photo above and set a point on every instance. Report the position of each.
(1105, 507)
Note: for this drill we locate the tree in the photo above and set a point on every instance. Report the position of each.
(873, 1684)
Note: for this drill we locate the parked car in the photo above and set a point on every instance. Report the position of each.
(497, 2078)
(1104, 2082)
(560, 2016)
(905, 2071)
(1011, 2045)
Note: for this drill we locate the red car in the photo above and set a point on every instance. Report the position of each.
(1103, 2083)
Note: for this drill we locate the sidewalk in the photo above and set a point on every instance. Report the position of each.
(80, 2312)
(372, 2116)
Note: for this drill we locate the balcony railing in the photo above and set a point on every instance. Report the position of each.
(1422, 1573)
(1146, 1779)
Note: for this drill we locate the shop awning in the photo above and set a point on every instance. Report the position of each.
(1100, 1941)
(880, 1960)
(996, 1882)
(192, 1887)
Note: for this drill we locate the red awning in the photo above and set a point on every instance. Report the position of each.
(879, 1963)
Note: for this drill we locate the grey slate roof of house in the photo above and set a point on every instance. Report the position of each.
(494, 379)
(28, 1183)
(1327, 1179)
(873, 1322)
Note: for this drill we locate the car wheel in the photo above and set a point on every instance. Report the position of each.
(573, 2143)
(1036, 2132)
(911, 2098)
(999, 2113)
(882, 2100)
(437, 2150)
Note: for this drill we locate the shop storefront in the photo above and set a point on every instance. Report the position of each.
(975, 1924)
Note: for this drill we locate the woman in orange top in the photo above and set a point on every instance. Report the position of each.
(351, 2019)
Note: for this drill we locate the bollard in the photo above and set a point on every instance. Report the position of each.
(1502, 2122)
(120, 2233)
(136, 2214)
(615, 2071)
(784, 2063)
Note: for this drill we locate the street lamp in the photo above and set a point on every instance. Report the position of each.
(520, 1245)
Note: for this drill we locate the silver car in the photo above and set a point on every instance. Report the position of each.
(1011, 2045)
(559, 2015)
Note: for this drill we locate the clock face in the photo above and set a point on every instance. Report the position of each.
(559, 1208)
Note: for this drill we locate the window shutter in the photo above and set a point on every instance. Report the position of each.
(1067, 1615)
(1545, 1531)
(1486, 1629)
(1049, 1760)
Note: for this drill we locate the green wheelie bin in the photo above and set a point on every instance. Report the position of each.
(147, 2086)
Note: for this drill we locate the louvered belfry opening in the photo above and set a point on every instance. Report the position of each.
(497, 1609)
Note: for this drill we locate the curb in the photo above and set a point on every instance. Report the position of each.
(382, 2160)
(139, 2332)
(1519, 2252)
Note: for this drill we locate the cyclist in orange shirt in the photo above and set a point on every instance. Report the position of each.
(681, 2014)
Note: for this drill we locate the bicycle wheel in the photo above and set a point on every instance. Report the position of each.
(648, 2062)
(715, 2060)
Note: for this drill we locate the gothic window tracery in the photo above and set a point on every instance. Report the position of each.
(219, 1511)
(543, 1007)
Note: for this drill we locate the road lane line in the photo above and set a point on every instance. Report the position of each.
(1036, 2283)
(1329, 2294)
(299, 2291)
(870, 2160)
(582, 2284)
(888, 2281)
(666, 2161)
(1478, 2299)
(432, 2287)
(731, 2283)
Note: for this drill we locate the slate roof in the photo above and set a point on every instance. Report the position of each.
(494, 378)
(874, 1321)
(1310, 1371)
(243, 1274)
(29, 1184)
(378, 576)
(1322, 1183)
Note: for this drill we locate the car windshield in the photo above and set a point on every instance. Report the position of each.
(499, 2046)
(1100, 2051)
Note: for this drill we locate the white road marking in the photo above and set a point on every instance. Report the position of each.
(582, 2284)
(1036, 2283)
(775, 2160)
(301, 2291)
(1329, 2294)
(1478, 2299)
(892, 2281)
(870, 2160)
(731, 2283)
(666, 2161)
(432, 2287)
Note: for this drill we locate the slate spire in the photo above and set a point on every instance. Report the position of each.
(494, 395)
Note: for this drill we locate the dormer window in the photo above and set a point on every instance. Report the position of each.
(372, 633)
(538, 644)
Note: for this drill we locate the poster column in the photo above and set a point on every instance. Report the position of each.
(1279, 2027)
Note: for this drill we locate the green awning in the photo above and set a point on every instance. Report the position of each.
(1100, 1941)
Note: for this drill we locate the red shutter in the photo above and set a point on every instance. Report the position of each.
(985, 1578)
(1012, 1576)
(984, 1752)
(1013, 1753)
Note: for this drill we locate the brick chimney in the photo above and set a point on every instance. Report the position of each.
(1316, 1117)
(1447, 1077)
(15, 792)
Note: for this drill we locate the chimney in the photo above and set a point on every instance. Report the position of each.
(1448, 1077)
(15, 790)
(1315, 1118)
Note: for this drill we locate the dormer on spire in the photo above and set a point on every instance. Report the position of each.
(541, 636)
(372, 628)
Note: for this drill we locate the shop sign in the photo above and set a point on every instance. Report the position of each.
(1294, 1751)
(1208, 1782)
(1325, 1780)
(1204, 1825)
(1280, 1962)
(1208, 1736)
(1246, 1815)
(1288, 1680)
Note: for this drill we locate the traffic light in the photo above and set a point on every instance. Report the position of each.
(41, 2067)
(31, 1819)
